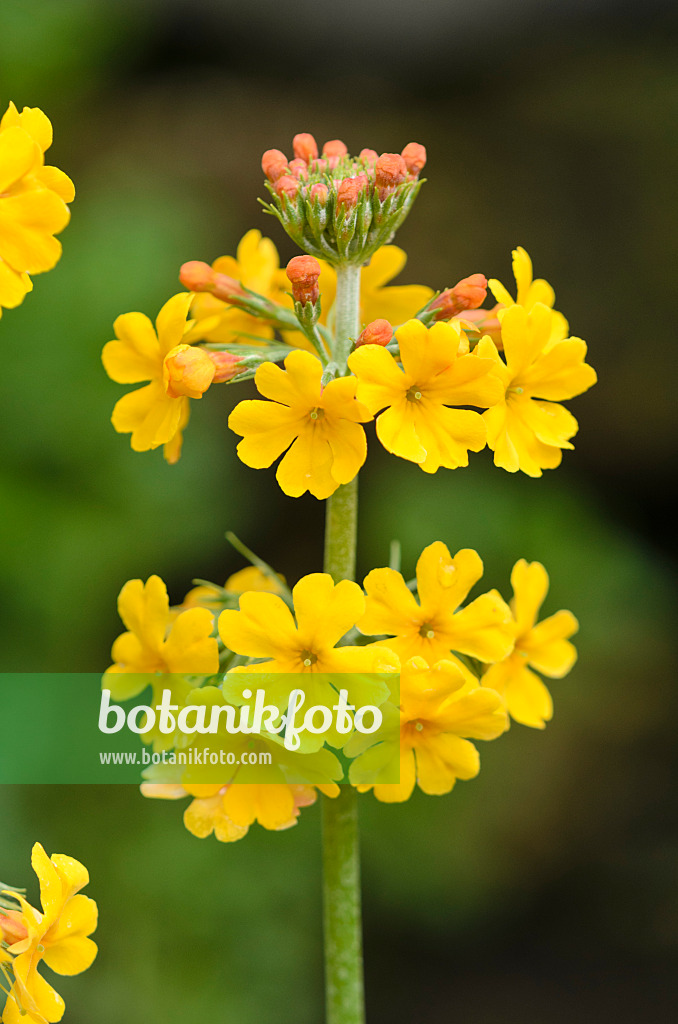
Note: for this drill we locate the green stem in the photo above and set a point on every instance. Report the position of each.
(345, 998)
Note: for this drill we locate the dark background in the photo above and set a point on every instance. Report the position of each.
(546, 889)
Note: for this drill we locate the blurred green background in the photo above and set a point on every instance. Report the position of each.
(546, 889)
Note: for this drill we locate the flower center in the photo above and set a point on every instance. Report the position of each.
(308, 658)
(317, 413)
(413, 394)
(426, 631)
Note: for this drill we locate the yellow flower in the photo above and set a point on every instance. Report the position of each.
(158, 643)
(249, 578)
(437, 372)
(543, 646)
(322, 426)
(59, 936)
(155, 414)
(264, 627)
(228, 811)
(529, 292)
(33, 201)
(257, 267)
(435, 626)
(439, 711)
(527, 428)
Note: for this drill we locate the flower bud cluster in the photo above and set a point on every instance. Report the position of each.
(337, 207)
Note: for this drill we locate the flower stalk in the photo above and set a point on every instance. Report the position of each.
(344, 987)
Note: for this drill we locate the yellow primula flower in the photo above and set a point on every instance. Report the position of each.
(529, 291)
(228, 811)
(33, 201)
(527, 429)
(257, 267)
(158, 642)
(437, 372)
(543, 646)
(264, 627)
(156, 414)
(439, 712)
(249, 578)
(320, 427)
(435, 626)
(59, 936)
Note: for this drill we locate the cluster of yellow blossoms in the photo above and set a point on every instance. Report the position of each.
(33, 200)
(464, 668)
(58, 935)
(423, 381)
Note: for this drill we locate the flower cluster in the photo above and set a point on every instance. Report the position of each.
(464, 667)
(33, 202)
(58, 935)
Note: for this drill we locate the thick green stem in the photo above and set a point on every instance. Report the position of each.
(345, 998)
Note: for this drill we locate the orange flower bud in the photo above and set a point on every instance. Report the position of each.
(319, 191)
(303, 272)
(369, 157)
(414, 156)
(287, 185)
(200, 277)
(379, 332)
(187, 371)
(305, 147)
(12, 928)
(390, 171)
(299, 168)
(469, 293)
(335, 148)
(274, 164)
(349, 189)
(486, 321)
(226, 366)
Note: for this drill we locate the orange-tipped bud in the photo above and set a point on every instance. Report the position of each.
(197, 276)
(303, 272)
(299, 168)
(288, 186)
(187, 371)
(469, 293)
(200, 277)
(319, 191)
(274, 164)
(369, 157)
(334, 148)
(226, 366)
(305, 147)
(349, 189)
(379, 332)
(12, 928)
(390, 171)
(414, 156)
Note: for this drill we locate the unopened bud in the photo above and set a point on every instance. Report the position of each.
(379, 332)
(288, 186)
(334, 148)
(226, 366)
(299, 168)
(369, 157)
(349, 189)
(319, 191)
(414, 156)
(187, 371)
(390, 171)
(469, 293)
(200, 277)
(305, 147)
(303, 272)
(274, 164)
